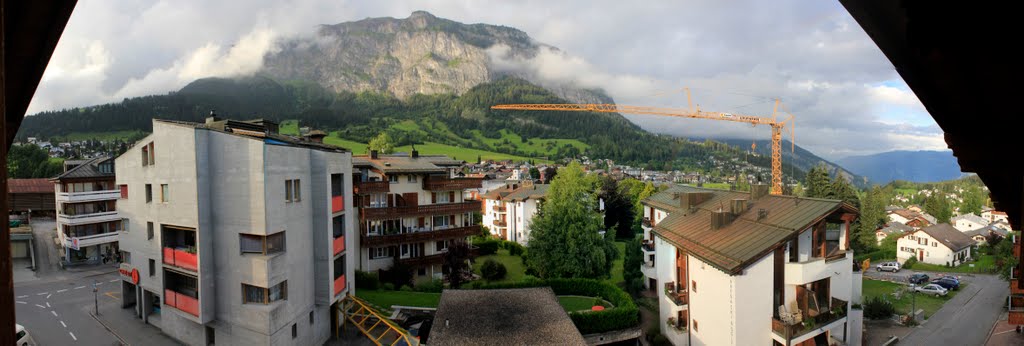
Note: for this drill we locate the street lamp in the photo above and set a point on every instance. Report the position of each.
(95, 296)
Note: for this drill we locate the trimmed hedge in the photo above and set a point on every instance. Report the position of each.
(875, 256)
(624, 315)
(487, 247)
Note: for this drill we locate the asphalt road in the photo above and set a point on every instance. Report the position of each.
(57, 312)
(966, 319)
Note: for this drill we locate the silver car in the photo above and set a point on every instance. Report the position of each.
(888, 266)
(932, 289)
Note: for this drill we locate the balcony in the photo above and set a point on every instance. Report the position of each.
(370, 187)
(447, 184)
(793, 330)
(499, 223)
(419, 236)
(85, 219)
(91, 196)
(676, 294)
(646, 222)
(338, 245)
(815, 269)
(90, 240)
(181, 258)
(181, 301)
(648, 247)
(647, 268)
(432, 259)
(339, 284)
(422, 210)
(499, 209)
(337, 204)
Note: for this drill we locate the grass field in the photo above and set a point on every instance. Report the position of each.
(289, 127)
(616, 275)
(513, 265)
(100, 136)
(59, 160)
(723, 186)
(386, 299)
(984, 265)
(577, 303)
(885, 289)
(544, 147)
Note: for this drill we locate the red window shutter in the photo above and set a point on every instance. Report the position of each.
(451, 196)
(124, 191)
(421, 221)
(433, 197)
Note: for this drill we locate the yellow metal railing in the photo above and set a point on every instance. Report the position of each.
(372, 324)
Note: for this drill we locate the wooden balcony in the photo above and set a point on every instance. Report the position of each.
(676, 294)
(500, 209)
(415, 237)
(448, 184)
(499, 223)
(789, 329)
(368, 187)
(415, 211)
(432, 259)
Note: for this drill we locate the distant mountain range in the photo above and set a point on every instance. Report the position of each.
(916, 166)
(800, 158)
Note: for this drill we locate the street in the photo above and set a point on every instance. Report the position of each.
(966, 319)
(57, 312)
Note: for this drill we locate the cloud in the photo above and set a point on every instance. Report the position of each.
(735, 57)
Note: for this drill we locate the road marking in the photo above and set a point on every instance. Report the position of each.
(62, 323)
(48, 296)
(39, 294)
(111, 295)
(54, 313)
(114, 280)
(48, 304)
(20, 302)
(24, 296)
(79, 287)
(73, 336)
(62, 291)
(40, 306)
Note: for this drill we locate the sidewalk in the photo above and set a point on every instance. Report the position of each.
(125, 326)
(1003, 333)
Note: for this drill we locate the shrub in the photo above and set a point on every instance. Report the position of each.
(405, 288)
(433, 286)
(660, 340)
(878, 308)
(487, 246)
(388, 286)
(514, 248)
(624, 314)
(367, 280)
(910, 263)
(491, 270)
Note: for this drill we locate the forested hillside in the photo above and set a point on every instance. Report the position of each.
(465, 121)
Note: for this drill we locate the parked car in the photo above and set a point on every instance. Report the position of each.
(950, 277)
(948, 284)
(888, 266)
(931, 289)
(22, 337)
(918, 278)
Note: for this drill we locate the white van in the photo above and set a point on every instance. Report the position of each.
(22, 336)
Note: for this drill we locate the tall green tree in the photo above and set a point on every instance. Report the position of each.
(565, 240)
(382, 143)
(938, 206)
(841, 189)
(819, 184)
(30, 161)
(872, 215)
(973, 200)
(634, 258)
(618, 208)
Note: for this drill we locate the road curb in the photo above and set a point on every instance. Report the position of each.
(105, 326)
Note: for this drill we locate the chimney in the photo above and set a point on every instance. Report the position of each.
(373, 154)
(212, 118)
(415, 153)
(739, 205)
(719, 218)
(761, 214)
(757, 191)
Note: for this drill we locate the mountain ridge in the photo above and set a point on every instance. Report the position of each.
(916, 166)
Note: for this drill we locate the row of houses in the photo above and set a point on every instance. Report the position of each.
(948, 244)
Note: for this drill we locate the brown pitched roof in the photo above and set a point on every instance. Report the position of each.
(668, 201)
(948, 236)
(737, 244)
(406, 164)
(41, 185)
(529, 191)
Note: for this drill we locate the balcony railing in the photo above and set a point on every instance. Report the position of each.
(433, 259)
(500, 209)
(817, 268)
(648, 246)
(420, 236)
(676, 294)
(791, 329)
(90, 240)
(646, 222)
(422, 210)
(368, 187)
(88, 196)
(445, 184)
(180, 258)
(339, 245)
(83, 219)
(337, 203)
(339, 284)
(181, 302)
(499, 223)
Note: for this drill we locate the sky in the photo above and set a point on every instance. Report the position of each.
(735, 56)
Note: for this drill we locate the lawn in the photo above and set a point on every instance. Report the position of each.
(984, 265)
(616, 275)
(513, 265)
(356, 147)
(930, 304)
(289, 127)
(386, 299)
(536, 145)
(577, 303)
(722, 186)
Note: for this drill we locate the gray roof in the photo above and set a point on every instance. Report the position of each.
(949, 236)
(931, 219)
(88, 169)
(970, 217)
(536, 191)
(407, 164)
(896, 228)
(986, 231)
(256, 130)
(520, 316)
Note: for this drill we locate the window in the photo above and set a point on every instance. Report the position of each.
(152, 154)
(441, 198)
(337, 184)
(149, 231)
(292, 191)
(145, 155)
(339, 266)
(165, 193)
(311, 318)
(380, 252)
(263, 245)
(287, 190)
(442, 245)
(259, 295)
(339, 226)
(152, 267)
(443, 221)
(412, 178)
(297, 190)
(149, 193)
(392, 179)
(124, 191)
(421, 272)
(694, 284)
(295, 330)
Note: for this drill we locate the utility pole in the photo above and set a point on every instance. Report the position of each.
(96, 296)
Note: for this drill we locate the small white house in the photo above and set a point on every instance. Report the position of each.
(967, 222)
(993, 215)
(938, 244)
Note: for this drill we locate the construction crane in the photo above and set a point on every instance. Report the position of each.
(693, 112)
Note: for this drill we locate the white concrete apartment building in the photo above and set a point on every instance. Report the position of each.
(968, 222)
(411, 208)
(88, 223)
(937, 244)
(509, 211)
(738, 268)
(236, 234)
